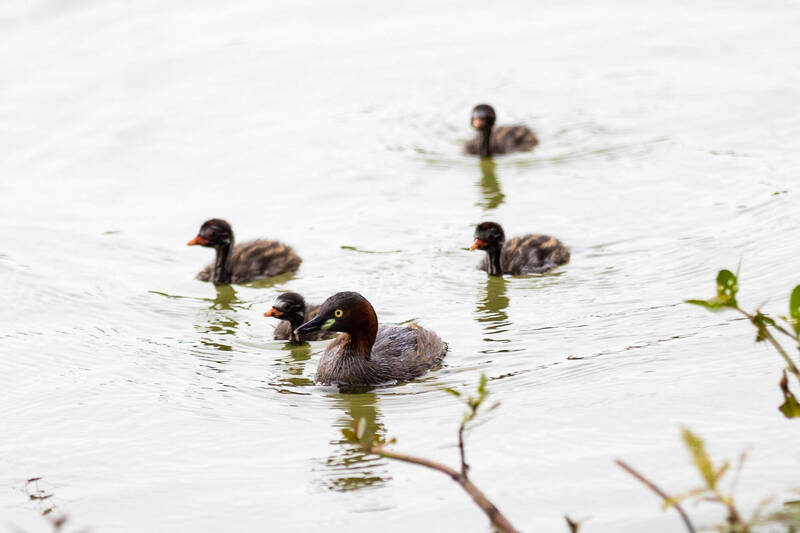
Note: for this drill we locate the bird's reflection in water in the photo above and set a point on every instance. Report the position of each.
(491, 194)
(273, 281)
(220, 330)
(491, 309)
(348, 467)
(292, 366)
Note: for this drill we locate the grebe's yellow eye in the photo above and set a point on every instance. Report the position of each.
(338, 313)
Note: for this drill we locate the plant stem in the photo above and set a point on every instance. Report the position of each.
(767, 335)
(464, 465)
(792, 367)
(497, 518)
(787, 333)
(734, 519)
(652, 486)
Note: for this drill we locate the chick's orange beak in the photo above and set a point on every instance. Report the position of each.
(478, 245)
(478, 123)
(273, 312)
(197, 240)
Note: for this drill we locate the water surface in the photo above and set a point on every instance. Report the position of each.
(149, 401)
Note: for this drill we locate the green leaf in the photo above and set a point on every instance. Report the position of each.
(482, 392)
(794, 303)
(727, 287)
(674, 500)
(713, 303)
(721, 470)
(794, 309)
(454, 392)
(790, 407)
(702, 462)
(764, 320)
(761, 321)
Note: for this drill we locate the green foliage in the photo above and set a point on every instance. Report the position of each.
(360, 434)
(727, 287)
(712, 492)
(702, 462)
(761, 321)
(454, 392)
(794, 310)
(372, 443)
(474, 402)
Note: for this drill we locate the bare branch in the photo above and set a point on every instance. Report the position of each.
(464, 465)
(652, 486)
(497, 518)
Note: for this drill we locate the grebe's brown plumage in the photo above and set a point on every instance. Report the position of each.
(529, 254)
(242, 263)
(501, 140)
(291, 309)
(365, 354)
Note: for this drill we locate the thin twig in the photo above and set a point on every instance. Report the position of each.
(785, 332)
(792, 367)
(464, 465)
(572, 524)
(738, 471)
(497, 518)
(734, 519)
(652, 486)
(767, 335)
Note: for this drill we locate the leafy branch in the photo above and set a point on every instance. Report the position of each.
(712, 491)
(374, 444)
(766, 327)
(655, 488)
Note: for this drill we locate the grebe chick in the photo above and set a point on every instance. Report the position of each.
(365, 354)
(501, 140)
(249, 261)
(292, 311)
(529, 254)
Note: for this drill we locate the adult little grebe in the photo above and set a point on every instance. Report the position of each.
(365, 354)
(292, 311)
(529, 254)
(501, 140)
(250, 261)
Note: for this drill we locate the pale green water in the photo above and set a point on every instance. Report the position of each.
(152, 402)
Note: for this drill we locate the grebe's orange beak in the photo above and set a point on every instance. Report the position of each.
(197, 240)
(478, 245)
(274, 312)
